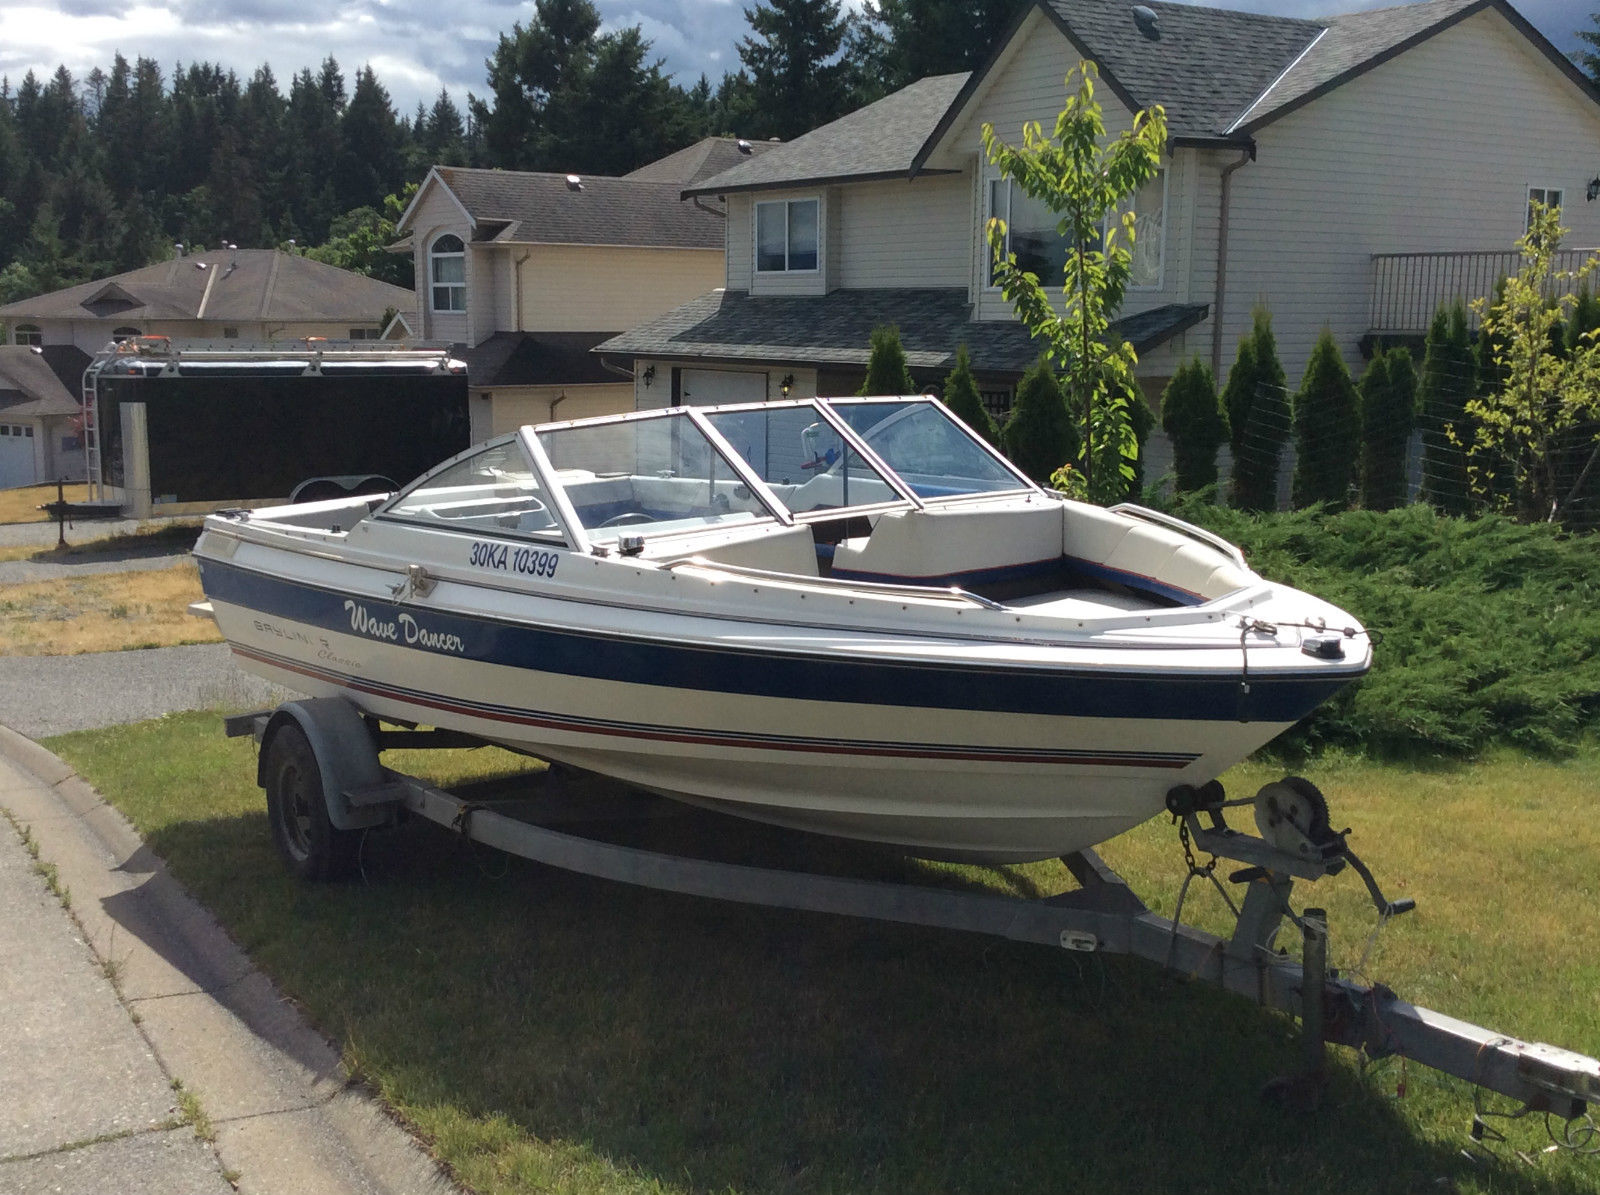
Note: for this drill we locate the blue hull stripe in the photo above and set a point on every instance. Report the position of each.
(572, 651)
(515, 716)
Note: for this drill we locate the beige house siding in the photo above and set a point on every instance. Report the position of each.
(739, 242)
(512, 406)
(1393, 162)
(589, 288)
(904, 233)
(437, 214)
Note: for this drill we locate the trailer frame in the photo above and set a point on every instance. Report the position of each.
(1103, 915)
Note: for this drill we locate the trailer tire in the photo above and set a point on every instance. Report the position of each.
(312, 847)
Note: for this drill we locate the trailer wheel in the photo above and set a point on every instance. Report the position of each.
(310, 844)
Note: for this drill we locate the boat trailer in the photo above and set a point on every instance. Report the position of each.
(319, 762)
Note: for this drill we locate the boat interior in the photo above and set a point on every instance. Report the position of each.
(856, 491)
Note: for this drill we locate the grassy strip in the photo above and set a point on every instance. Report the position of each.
(103, 612)
(21, 505)
(547, 1032)
(1491, 630)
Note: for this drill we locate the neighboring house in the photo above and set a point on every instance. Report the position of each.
(222, 294)
(1352, 171)
(38, 429)
(527, 272)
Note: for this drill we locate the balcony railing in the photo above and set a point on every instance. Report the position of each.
(1407, 288)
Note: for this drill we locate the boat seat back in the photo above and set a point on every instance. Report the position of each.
(780, 549)
(962, 546)
(1143, 556)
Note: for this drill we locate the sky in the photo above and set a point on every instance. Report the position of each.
(416, 52)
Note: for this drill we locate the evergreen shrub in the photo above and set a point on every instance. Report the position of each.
(1040, 436)
(1327, 431)
(961, 396)
(1489, 628)
(1388, 413)
(887, 371)
(1257, 401)
(1448, 380)
(1193, 417)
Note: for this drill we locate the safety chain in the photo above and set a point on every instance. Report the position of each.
(1209, 872)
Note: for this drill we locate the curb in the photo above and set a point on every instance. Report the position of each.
(287, 1116)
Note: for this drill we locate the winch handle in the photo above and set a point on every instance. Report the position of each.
(1385, 906)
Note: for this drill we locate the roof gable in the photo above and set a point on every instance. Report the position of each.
(24, 370)
(707, 157)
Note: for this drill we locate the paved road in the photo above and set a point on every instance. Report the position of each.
(21, 572)
(46, 695)
(14, 535)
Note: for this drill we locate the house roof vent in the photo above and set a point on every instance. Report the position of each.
(1149, 24)
(574, 183)
(744, 146)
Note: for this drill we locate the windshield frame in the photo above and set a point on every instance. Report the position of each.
(1024, 482)
(562, 535)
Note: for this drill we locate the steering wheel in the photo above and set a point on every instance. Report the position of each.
(627, 519)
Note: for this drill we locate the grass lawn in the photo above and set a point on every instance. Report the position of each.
(548, 1032)
(21, 505)
(103, 612)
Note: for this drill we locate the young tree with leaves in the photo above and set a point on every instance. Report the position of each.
(1041, 434)
(1327, 428)
(1087, 181)
(961, 396)
(1195, 420)
(887, 372)
(1521, 422)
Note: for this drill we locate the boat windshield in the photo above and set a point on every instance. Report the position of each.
(933, 454)
(802, 457)
(645, 475)
(493, 489)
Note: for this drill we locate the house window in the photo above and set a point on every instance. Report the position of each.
(447, 267)
(1032, 233)
(120, 334)
(27, 432)
(28, 334)
(230, 333)
(786, 236)
(1549, 196)
(363, 334)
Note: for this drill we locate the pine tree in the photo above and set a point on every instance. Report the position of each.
(368, 165)
(1327, 429)
(1194, 418)
(887, 372)
(1041, 434)
(1589, 59)
(797, 76)
(961, 396)
(1256, 400)
(912, 39)
(1388, 413)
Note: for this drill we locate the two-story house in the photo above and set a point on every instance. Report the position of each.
(528, 271)
(1350, 172)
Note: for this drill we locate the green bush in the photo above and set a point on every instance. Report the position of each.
(1327, 430)
(961, 396)
(1143, 421)
(1040, 436)
(1257, 401)
(1449, 378)
(1388, 413)
(1490, 630)
(1193, 417)
(887, 372)
(1585, 317)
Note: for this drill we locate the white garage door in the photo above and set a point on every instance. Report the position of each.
(707, 387)
(16, 455)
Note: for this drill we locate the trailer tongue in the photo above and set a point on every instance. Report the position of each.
(334, 787)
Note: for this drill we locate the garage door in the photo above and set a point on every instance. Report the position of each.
(16, 455)
(707, 387)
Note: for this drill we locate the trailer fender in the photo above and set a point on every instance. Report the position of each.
(347, 757)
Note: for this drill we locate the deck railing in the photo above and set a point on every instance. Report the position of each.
(1407, 288)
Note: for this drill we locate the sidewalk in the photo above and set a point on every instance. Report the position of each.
(137, 991)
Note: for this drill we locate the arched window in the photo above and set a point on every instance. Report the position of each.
(121, 334)
(27, 334)
(447, 268)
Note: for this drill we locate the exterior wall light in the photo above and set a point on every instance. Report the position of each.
(1593, 192)
(649, 375)
(787, 384)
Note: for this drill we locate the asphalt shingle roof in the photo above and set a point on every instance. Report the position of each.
(706, 157)
(878, 140)
(537, 359)
(25, 373)
(245, 285)
(1208, 66)
(836, 329)
(525, 208)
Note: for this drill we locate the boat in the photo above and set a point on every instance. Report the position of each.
(847, 616)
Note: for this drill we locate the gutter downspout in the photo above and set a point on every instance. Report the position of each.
(714, 211)
(516, 283)
(1221, 290)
